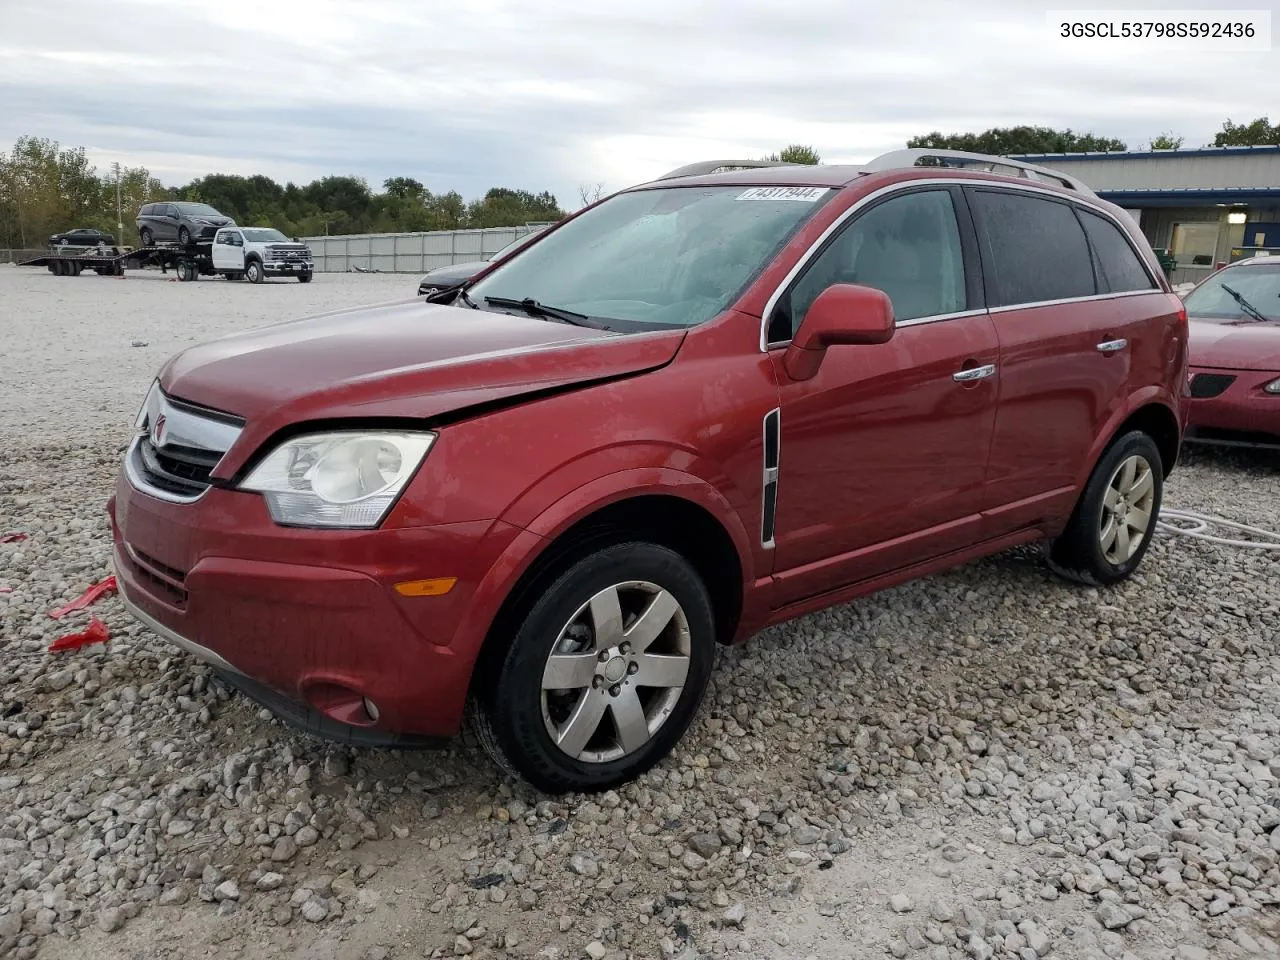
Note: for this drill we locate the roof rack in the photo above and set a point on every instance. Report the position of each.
(897, 159)
(704, 167)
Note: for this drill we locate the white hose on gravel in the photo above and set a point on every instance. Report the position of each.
(1169, 522)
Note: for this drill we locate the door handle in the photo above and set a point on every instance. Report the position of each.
(1111, 346)
(974, 373)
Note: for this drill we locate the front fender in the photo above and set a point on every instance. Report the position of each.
(575, 504)
(596, 494)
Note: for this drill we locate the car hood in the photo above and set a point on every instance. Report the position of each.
(403, 360)
(454, 273)
(1246, 346)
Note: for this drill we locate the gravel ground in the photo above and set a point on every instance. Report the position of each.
(988, 763)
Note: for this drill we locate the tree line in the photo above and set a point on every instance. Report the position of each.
(46, 188)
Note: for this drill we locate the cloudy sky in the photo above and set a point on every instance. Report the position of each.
(554, 94)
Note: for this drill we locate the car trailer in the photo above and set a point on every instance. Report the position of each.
(189, 261)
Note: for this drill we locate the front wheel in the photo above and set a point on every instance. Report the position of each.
(1111, 529)
(605, 672)
(184, 236)
(144, 236)
(304, 277)
(253, 271)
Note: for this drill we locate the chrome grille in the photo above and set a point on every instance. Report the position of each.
(177, 447)
(288, 254)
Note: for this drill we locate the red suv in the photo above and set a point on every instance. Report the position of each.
(699, 407)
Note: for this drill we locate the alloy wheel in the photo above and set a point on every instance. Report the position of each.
(616, 671)
(1126, 510)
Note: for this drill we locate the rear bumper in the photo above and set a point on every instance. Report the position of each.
(306, 621)
(1242, 413)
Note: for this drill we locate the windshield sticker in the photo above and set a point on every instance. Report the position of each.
(803, 194)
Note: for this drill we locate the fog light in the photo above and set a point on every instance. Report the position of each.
(371, 709)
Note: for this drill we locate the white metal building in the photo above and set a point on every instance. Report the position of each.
(1206, 206)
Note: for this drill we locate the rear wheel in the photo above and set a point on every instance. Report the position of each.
(253, 271)
(605, 672)
(1111, 529)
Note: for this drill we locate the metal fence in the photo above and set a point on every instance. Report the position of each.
(411, 252)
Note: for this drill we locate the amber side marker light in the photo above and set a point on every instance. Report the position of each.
(426, 588)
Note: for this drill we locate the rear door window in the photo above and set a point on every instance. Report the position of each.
(1033, 249)
(1119, 268)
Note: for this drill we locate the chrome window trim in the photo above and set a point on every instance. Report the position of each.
(1054, 303)
(904, 185)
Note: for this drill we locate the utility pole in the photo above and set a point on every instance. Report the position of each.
(119, 218)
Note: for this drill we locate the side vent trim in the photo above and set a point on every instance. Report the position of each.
(769, 504)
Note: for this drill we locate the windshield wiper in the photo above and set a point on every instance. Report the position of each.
(1245, 305)
(462, 295)
(536, 309)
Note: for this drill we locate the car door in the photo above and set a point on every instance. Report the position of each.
(166, 222)
(883, 453)
(226, 255)
(1061, 376)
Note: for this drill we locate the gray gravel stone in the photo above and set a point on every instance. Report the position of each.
(901, 903)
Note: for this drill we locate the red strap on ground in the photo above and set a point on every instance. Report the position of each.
(98, 590)
(12, 537)
(6, 589)
(96, 632)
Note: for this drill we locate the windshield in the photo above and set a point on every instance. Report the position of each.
(198, 209)
(1257, 284)
(263, 235)
(649, 259)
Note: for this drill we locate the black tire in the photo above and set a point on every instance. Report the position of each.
(304, 277)
(253, 272)
(76, 268)
(144, 236)
(507, 712)
(1079, 553)
(184, 236)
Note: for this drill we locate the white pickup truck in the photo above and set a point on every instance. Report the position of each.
(255, 253)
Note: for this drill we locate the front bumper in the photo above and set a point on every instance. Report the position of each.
(308, 621)
(1242, 413)
(288, 266)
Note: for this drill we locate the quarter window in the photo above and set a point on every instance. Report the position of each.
(908, 246)
(1033, 249)
(1119, 268)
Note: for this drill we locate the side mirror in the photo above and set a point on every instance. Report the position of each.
(844, 313)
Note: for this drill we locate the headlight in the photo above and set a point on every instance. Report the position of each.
(148, 404)
(1273, 386)
(347, 479)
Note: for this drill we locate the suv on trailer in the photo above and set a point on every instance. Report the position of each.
(184, 222)
(707, 404)
(256, 253)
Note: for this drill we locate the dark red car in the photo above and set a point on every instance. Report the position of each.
(699, 407)
(1235, 355)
